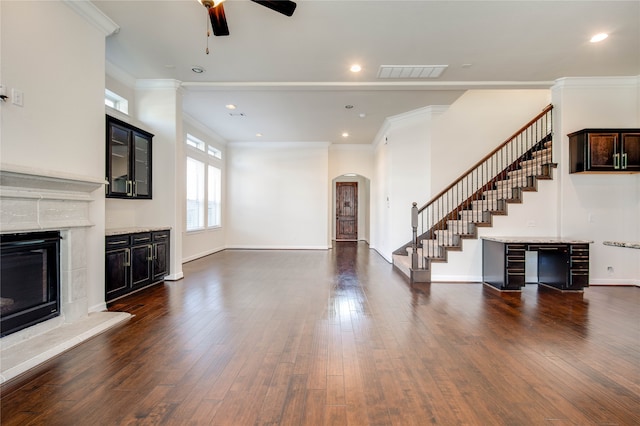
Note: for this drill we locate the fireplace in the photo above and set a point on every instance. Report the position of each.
(29, 279)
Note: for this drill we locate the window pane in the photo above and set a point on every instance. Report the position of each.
(195, 194)
(214, 152)
(214, 196)
(195, 142)
(115, 101)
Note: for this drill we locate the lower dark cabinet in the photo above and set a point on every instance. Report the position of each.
(135, 261)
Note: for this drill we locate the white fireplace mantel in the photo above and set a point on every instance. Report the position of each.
(31, 200)
(37, 200)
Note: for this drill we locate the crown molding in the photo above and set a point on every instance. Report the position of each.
(429, 112)
(94, 16)
(278, 145)
(166, 83)
(202, 128)
(351, 147)
(586, 82)
(119, 74)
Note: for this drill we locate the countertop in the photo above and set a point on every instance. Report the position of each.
(135, 230)
(627, 244)
(537, 240)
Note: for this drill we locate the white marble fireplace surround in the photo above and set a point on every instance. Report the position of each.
(38, 201)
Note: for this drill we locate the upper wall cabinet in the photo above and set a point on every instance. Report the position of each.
(128, 160)
(605, 150)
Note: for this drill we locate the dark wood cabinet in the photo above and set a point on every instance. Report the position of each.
(117, 266)
(135, 261)
(160, 264)
(128, 161)
(604, 150)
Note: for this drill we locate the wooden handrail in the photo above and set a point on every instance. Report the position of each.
(486, 157)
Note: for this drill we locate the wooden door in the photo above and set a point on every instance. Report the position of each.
(346, 210)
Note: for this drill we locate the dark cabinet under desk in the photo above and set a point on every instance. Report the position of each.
(134, 261)
(562, 263)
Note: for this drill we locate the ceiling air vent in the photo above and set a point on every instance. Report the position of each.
(411, 71)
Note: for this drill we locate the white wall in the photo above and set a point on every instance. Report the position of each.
(60, 128)
(278, 195)
(402, 176)
(605, 206)
(475, 124)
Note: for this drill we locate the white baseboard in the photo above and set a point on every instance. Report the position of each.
(249, 247)
(202, 254)
(615, 282)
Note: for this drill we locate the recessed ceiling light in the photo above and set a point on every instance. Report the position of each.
(599, 37)
(197, 69)
(345, 134)
(259, 135)
(355, 68)
(362, 115)
(230, 106)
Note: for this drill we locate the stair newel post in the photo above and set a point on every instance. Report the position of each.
(414, 225)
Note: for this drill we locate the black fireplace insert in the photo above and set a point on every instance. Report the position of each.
(29, 279)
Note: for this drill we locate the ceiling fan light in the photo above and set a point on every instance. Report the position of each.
(599, 37)
(210, 3)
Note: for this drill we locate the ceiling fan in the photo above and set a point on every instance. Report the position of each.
(219, 21)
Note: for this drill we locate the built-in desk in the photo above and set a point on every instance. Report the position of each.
(562, 263)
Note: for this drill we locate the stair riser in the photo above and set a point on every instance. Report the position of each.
(460, 227)
(494, 204)
(473, 216)
(511, 183)
(446, 238)
(539, 161)
(495, 194)
(529, 171)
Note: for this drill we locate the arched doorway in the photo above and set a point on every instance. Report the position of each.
(351, 208)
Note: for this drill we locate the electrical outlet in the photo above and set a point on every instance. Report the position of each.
(610, 269)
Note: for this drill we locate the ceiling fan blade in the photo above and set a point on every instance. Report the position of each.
(218, 21)
(285, 7)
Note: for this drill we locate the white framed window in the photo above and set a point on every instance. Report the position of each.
(195, 194)
(214, 196)
(204, 185)
(215, 153)
(195, 142)
(115, 101)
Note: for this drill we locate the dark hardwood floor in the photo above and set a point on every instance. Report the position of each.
(338, 337)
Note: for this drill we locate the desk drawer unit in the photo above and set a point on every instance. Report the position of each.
(578, 267)
(515, 265)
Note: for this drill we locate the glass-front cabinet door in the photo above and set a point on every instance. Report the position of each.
(142, 165)
(119, 155)
(128, 161)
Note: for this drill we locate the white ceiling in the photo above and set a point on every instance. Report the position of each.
(290, 76)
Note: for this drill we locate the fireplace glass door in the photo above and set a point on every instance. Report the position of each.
(29, 279)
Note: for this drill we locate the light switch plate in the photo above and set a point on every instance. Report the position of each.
(17, 97)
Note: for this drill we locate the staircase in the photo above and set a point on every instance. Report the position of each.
(471, 201)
